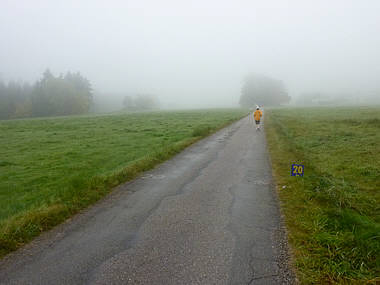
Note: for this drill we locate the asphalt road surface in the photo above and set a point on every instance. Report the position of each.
(207, 216)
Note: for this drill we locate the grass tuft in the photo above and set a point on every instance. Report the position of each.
(201, 131)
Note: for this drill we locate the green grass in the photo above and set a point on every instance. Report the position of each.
(52, 168)
(333, 212)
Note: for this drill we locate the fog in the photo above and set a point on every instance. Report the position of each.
(195, 53)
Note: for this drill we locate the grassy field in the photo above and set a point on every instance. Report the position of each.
(52, 168)
(332, 213)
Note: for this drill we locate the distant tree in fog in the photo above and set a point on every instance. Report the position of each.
(63, 95)
(128, 103)
(146, 102)
(263, 90)
(14, 99)
(140, 102)
(50, 96)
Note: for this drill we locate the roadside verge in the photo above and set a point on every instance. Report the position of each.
(330, 213)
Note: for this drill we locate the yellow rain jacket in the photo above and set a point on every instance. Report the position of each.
(257, 115)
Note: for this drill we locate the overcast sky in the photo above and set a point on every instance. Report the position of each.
(195, 52)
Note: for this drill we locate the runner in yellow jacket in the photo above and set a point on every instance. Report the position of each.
(257, 116)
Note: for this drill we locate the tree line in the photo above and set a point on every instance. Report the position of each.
(68, 94)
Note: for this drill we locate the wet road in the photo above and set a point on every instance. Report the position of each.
(207, 216)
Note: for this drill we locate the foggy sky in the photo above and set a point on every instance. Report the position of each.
(194, 52)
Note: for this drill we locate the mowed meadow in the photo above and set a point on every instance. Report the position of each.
(333, 212)
(52, 168)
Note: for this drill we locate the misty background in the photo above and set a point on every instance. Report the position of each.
(196, 54)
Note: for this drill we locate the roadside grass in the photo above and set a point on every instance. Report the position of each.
(52, 168)
(333, 212)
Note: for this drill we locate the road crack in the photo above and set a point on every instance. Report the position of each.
(261, 277)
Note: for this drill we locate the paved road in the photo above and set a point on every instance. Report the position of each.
(207, 216)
